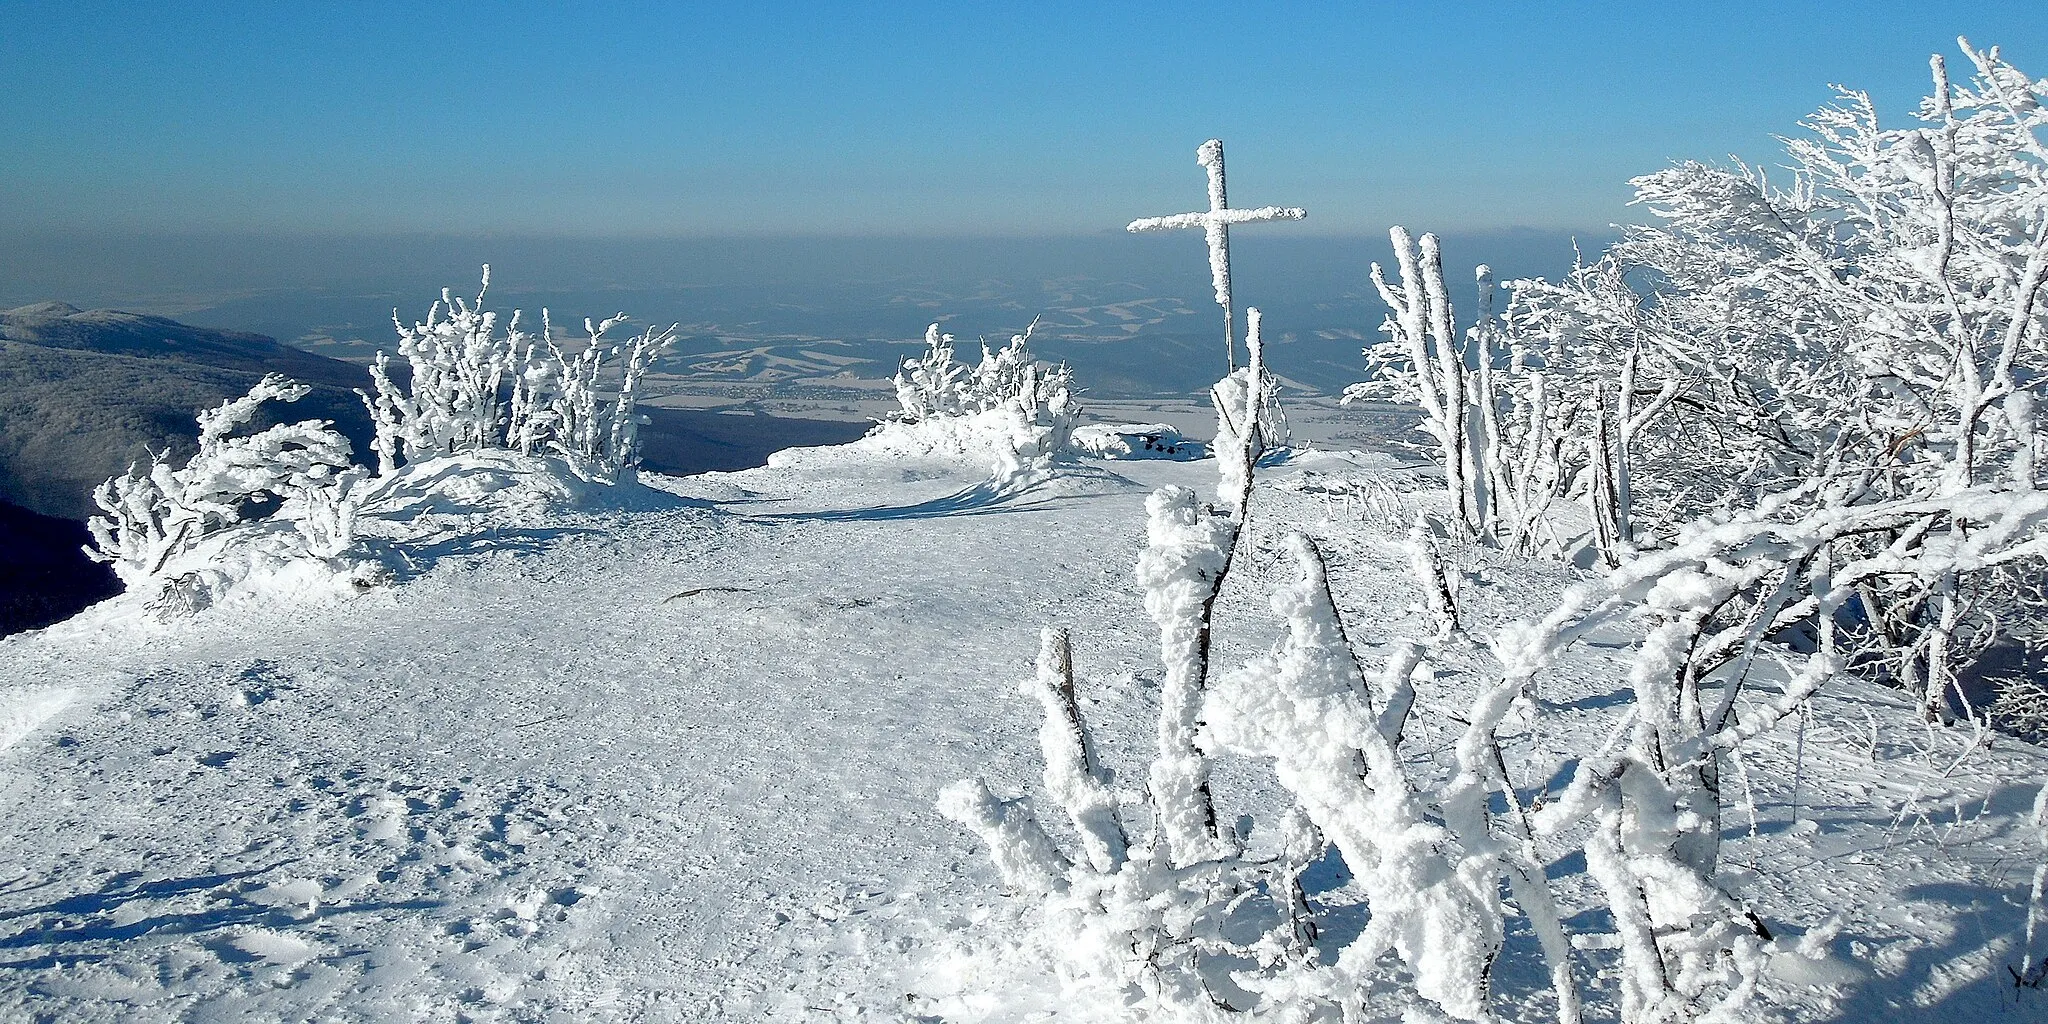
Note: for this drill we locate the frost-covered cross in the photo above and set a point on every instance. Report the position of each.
(1215, 223)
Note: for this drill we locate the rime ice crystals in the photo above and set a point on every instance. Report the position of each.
(1215, 223)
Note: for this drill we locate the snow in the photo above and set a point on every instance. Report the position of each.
(22, 710)
(1136, 441)
(672, 752)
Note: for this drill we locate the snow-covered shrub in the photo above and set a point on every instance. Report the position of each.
(326, 516)
(1305, 707)
(1007, 405)
(1191, 920)
(560, 406)
(933, 384)
(1370, 499)
(1002, 373)
(937, 385)
(153, 515)
(1039, 416)
(473, 386)
(281, 507)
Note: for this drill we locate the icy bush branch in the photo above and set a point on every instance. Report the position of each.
(1305, 708)
(1186, 555)
(151, 516)
(1073, 777)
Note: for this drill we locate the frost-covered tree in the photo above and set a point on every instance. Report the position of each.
(1878, 314)
(152, 515)
(1914, 257)
(1875, 315)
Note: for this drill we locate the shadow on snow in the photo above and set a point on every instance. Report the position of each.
(92, 917)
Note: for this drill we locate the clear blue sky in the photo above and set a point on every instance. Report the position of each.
(915, 118)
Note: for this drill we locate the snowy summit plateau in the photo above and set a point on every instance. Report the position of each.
(1676, 655)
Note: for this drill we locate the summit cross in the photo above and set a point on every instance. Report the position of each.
(1215, 223)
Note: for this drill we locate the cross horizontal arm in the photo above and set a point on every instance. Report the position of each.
(1259, 214)
(1207, 217)
(1178, 220)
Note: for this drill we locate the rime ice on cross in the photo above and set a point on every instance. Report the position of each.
(1216, 225)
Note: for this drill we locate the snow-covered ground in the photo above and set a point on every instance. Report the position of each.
(674, 757)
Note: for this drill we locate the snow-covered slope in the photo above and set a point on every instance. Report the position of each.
(673, 756)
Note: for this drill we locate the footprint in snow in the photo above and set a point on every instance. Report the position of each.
(268, 946)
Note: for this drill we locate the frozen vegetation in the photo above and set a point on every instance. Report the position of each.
(1687, 674)
(1007, 408)
(281, 506)
(1672, 415)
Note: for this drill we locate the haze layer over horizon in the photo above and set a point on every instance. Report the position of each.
(915, 119)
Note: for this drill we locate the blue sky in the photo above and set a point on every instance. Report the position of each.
(910, 119)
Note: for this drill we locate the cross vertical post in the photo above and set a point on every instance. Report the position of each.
(1215, 224)
(1210, 156)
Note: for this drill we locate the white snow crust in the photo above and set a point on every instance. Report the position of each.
(672, 753)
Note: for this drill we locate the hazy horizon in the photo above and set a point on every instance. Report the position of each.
(1133, 313)
(171, 273)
